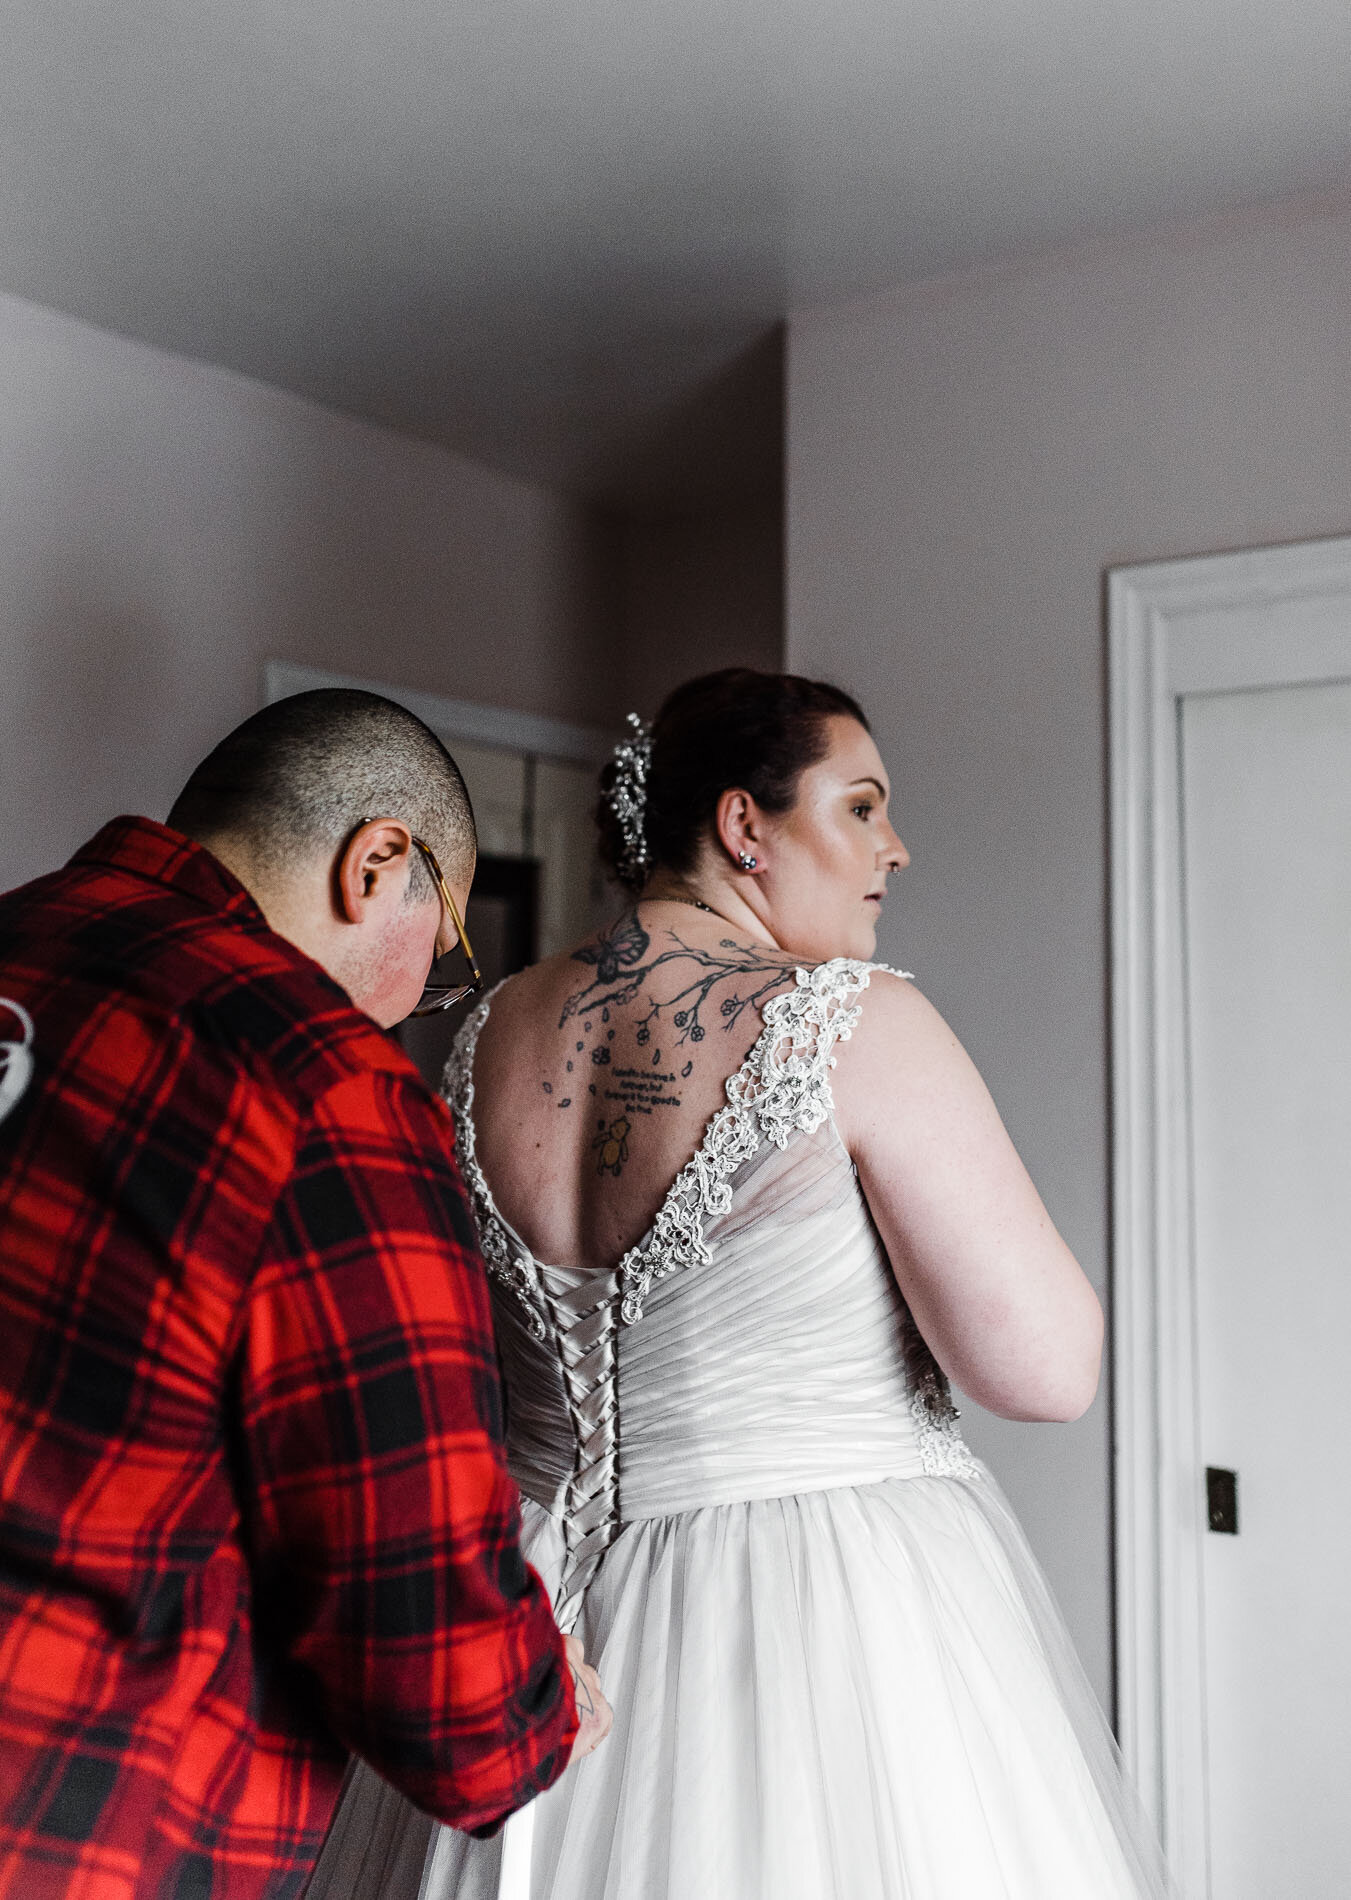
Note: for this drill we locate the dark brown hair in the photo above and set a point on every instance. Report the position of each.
(756, 731)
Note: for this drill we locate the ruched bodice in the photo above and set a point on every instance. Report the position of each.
(778, 1365)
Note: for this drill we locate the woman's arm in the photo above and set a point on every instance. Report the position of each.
(999, 1297)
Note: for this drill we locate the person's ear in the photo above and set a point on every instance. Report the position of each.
(739, 828)
(372, 867)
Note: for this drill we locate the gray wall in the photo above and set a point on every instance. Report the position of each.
(166, 527)
(964, 460)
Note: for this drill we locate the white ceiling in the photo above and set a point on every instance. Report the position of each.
(551, 231)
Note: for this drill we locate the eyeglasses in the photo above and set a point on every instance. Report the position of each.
(446, 984)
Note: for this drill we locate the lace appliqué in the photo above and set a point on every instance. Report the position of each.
(781, 1089)
(501, 1258)
(943, 1452)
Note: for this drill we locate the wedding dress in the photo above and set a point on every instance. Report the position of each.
(836, 1671)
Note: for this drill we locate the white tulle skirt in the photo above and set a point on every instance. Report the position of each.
(851, 1694)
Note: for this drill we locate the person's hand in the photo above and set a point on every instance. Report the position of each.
(594, 1711)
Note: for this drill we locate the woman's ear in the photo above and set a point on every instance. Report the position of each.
(372, 867)
(738, 827)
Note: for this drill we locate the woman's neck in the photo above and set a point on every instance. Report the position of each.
(712, 896)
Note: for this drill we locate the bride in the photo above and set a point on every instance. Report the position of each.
(747, 1207)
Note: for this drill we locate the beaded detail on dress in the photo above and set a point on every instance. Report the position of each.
(942, 1449)
(581, 1328)
(503, 1260)
(782, 1088)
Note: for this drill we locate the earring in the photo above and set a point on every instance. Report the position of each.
(746, 861)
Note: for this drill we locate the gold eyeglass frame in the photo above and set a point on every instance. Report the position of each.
(455, 994)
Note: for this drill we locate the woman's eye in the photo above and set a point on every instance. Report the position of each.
(861, 811)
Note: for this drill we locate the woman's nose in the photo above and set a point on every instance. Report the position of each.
(896, 857)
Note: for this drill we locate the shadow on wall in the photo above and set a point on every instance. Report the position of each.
(717, 448)
(695, 593)
(699, 540)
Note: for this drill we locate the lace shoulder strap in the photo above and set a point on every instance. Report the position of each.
(785, 1080)
(502, 1257)
(781, 1089)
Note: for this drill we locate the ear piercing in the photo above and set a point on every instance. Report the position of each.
(746, 861)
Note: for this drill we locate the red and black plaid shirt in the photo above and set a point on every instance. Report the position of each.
(254, 1509)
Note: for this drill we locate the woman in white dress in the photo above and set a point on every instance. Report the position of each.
(747, 1206)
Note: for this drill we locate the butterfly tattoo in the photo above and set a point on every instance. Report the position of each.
(617, 957)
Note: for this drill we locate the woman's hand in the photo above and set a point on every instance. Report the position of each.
(594, 1711)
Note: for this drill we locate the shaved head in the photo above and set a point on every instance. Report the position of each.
(302, 775)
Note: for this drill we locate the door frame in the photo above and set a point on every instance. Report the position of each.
(1218, 623)
(502, 727)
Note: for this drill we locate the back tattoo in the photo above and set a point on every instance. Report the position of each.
(675, 984)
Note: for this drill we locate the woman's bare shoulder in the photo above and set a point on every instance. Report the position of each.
(896, 1014)
(902, 1054)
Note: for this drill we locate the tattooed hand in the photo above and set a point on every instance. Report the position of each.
(594, 1711)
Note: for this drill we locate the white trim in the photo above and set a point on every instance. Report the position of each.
(498, 726)
(1276, 616)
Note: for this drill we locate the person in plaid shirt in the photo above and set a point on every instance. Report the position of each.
(254, 1506)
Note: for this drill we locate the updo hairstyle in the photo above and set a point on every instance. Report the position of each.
(756, 731)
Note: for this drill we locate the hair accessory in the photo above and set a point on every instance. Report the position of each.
(628, 800)
(746, 861)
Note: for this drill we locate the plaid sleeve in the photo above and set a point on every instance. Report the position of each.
(385, 1528)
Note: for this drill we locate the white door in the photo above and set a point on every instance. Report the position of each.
(1231, 993)
(1266, 868)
